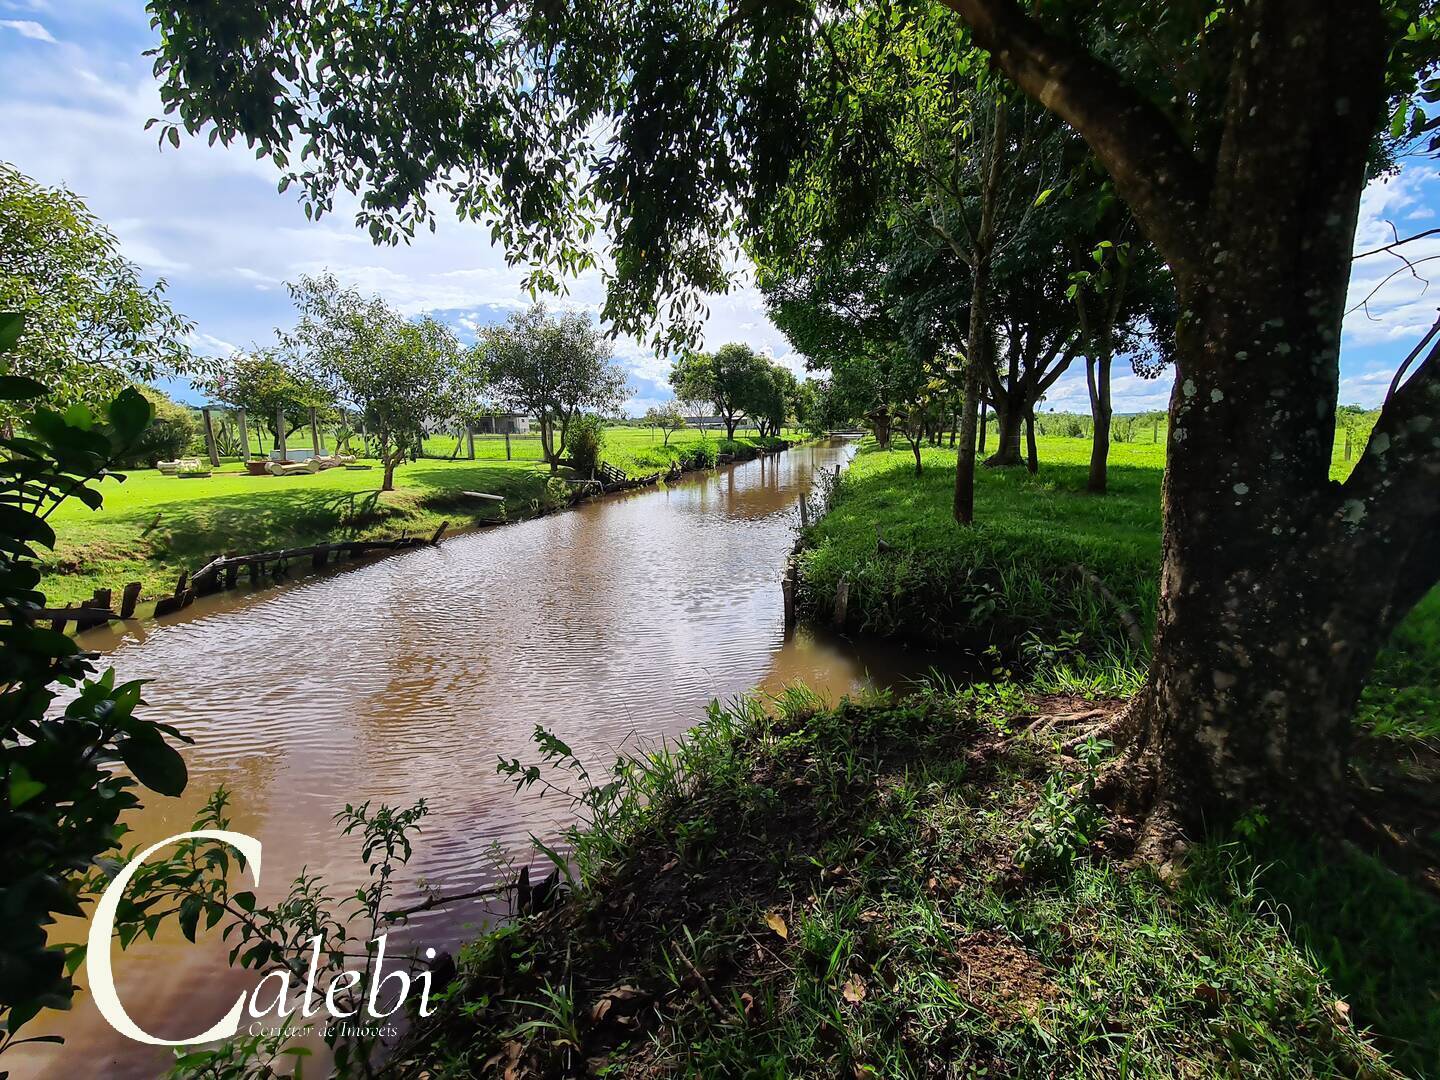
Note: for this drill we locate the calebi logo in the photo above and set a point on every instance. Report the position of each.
(344, 1000)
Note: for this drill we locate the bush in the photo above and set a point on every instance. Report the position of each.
(173, 433)
(587, 441)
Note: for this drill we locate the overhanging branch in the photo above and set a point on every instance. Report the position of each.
(1138, 146)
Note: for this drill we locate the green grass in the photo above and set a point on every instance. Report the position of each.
(1009, 581)
(1008, 575)
(891, 842)
(152, 526)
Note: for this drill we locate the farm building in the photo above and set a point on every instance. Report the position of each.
(503, 424)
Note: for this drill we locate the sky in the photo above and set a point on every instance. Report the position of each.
(76, 90)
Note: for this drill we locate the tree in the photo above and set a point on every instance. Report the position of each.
(554, 369)
(397, 375)
(668, 418)
(774, 396)
(733, 379)
(91, 326)
(266, 382)
(1278, 586)
(1239, 135)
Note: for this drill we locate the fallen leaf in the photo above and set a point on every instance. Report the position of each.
(854, 989)
(616, 1000)
(776, 922)
(747, 1002)
(1341, 1009)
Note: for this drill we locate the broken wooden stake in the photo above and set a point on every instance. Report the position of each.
(842, 602)
(128, 599)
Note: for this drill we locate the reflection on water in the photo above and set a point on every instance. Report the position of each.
(409, 676)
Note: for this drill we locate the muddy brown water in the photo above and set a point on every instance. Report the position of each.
(613, 625)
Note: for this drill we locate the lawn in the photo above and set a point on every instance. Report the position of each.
(1011, 580)
(152, 526)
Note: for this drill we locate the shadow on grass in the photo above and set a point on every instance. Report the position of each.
(1375, 934)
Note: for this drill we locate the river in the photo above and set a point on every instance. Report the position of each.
(610, 624)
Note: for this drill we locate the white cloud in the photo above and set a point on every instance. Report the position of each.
(28, 28)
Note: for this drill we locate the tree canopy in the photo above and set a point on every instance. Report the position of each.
(91, 325)
(555, 369)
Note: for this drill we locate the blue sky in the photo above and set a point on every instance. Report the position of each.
(75, 92)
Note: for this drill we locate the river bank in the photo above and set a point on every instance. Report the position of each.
(917, 887)
(152, 527)
(1061, 582)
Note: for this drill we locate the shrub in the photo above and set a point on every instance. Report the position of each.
(587, 441)
(174, 433)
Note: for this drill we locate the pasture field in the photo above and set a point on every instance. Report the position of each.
(152, 526)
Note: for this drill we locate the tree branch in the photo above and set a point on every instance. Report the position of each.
(1153, 171)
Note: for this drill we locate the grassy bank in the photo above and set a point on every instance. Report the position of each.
(1012, 580)
(917, 889)
(152, 526)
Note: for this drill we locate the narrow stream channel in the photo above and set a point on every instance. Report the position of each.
(409, 676)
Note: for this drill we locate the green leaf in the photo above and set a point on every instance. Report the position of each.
(130, 414)
(11, 324)
(155, 764)
(18, 387)
(1044, 196)
(23, 787)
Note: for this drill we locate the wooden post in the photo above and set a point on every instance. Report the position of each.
(787, 590)
(210, 436)
(280, 431)
(470, 439)
(128, 599)
(59, 624)
(842, 602)
(439, 533)
(804, 512)
(507, 446)
(315, 444)
(244, 436)
(1347, 444)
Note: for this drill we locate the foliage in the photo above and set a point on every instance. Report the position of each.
(62, 793)
(553, 369)
(587, 443)
(91, 326)
(265, 382)
(396, 375)
(667, 418)
(736, 381)
(170, 434)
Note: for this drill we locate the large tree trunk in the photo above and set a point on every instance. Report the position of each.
(1277, 586)
(1010, 419)
(1032, 455)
